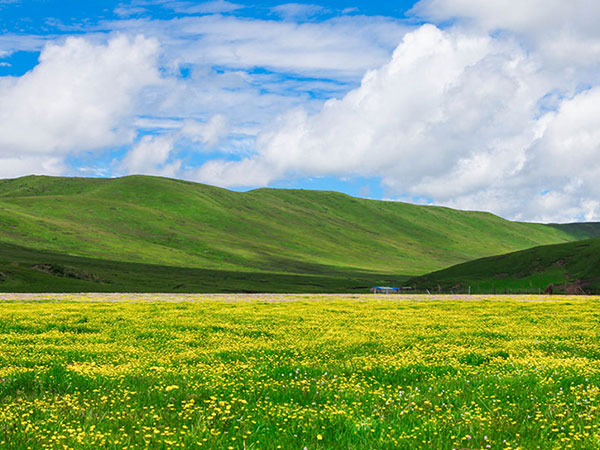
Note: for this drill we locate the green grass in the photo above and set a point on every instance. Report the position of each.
(573, 267)
(172, 223)
(580, 231)
(26, 270)
(317, 372)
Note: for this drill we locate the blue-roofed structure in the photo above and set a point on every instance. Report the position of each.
(385, 290)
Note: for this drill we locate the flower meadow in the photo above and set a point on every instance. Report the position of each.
(299, 372)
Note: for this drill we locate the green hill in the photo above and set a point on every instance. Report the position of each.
(177, 224)
(572, 268)
(584, 230)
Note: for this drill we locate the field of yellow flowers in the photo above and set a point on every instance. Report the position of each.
(299, 372)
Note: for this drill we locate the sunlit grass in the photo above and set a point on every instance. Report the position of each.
(317, 372)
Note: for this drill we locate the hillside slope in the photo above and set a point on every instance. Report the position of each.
(165, 222)
(26, 270)
(585, 230)
(572, 268)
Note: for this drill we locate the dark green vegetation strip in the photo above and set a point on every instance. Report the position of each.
(350, 374)
(26, 270)
(573, 268)
(173, 224)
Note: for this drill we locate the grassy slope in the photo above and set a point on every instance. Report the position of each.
(584, 230)
(175, 223)
(26, 270)
(566, 266)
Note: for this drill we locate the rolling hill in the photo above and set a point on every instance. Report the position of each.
(93, 224)
(572, 268)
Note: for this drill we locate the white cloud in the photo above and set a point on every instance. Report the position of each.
(209, 133)
(144, 7)
(342, 47)
(16, 166)
(128, 11)
(250, 172)
(152, 123)
(526, 16)
(297, 11)
(151, 156)
(81, 96)
(215, 7)
(560, 31)
(157, 154)
(11, 43)
(454, 116)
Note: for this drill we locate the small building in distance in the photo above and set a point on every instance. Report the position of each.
(384, 290)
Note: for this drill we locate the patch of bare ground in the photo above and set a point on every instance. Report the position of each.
(68, 272)
(577, 287)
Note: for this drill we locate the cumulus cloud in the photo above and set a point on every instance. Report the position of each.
(455, 116)
(150, 156)
(156, 154)
(559, 31)
(389, 112)
(80, 97)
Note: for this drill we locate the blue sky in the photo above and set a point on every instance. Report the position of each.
(38, 16)
(51, 18)
(472, 105)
